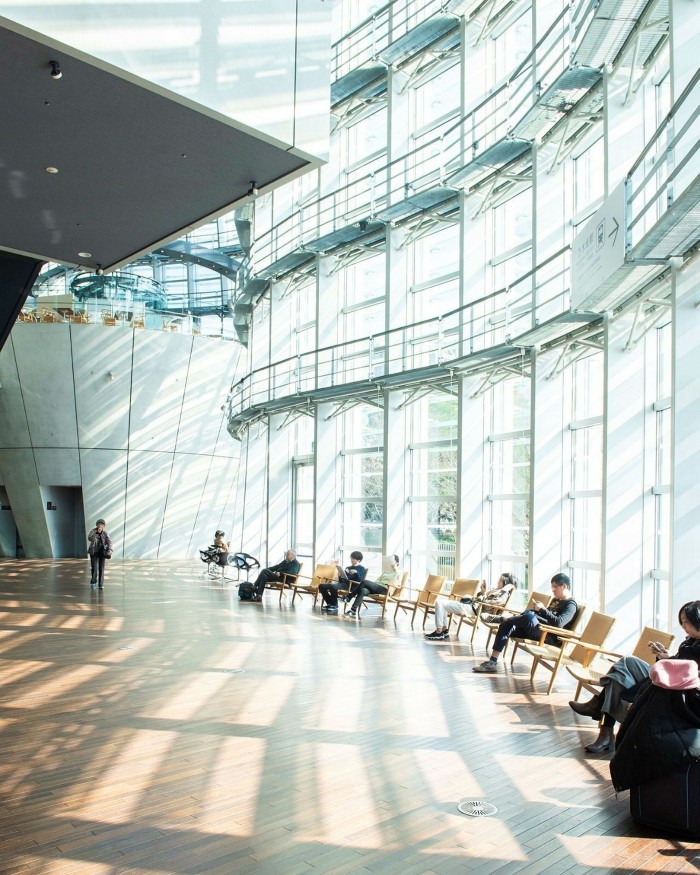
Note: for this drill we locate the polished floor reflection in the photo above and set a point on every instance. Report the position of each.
(162, 726)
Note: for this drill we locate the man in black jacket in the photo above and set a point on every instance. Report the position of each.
(275, 572)
(561, 613)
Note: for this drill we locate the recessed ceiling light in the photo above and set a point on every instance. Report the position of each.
(85, 254)
(52, 169)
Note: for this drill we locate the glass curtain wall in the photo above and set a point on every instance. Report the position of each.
(490, 244)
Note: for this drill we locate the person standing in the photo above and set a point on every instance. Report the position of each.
(99, 549)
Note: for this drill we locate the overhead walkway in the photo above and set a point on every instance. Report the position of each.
(492, 336)
(483, 154)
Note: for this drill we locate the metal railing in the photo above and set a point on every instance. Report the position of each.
(476, 327)
(667, 166)
(431, 164)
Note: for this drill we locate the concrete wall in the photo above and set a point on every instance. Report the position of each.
(133, 421)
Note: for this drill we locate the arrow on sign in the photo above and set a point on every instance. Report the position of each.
(614, 231)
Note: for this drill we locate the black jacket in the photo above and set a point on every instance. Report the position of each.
(660, 734)
(286, 567)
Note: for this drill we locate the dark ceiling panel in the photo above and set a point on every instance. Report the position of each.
(135, 167)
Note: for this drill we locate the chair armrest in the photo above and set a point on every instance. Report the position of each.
(566, 635)
(601, 650)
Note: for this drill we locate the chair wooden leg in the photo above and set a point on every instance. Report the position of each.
(515, 650)
(476, 622)
(535, 663)
(383, 608)
(413, 616)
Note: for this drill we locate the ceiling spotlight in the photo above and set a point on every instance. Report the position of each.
(85, 254)
(52, 169)
(55, 70)
(253, 190)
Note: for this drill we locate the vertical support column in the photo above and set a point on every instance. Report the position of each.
(326, 484)
(551, 229)
(547, 546)
(626, 490)
(279, 487)
(254, 460)
(396, 486)
(624, 131)
(396, 299)
(472, 486)
(685, 439)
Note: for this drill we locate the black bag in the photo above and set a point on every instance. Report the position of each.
(246, 591)
(671, 802)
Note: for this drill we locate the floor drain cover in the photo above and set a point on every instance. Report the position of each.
(477, 808)
(234, 671)
(125, 648)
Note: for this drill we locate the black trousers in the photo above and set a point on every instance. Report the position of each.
(367, 586)
(264, 577)
(97, 569)
(329, 593)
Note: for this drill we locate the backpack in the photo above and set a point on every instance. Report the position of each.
(246, 591)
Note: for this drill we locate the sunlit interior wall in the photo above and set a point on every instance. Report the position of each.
(131, 419)
(565, 462)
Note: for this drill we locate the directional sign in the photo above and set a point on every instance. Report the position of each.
(598, 249)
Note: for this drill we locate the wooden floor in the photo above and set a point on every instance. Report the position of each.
(163, 727)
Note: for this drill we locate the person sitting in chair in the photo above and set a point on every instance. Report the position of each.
(444, 606)
(561, 613)
(353, 575)
(221, 548)
(629, 675)
(290, 565)
(380, 586)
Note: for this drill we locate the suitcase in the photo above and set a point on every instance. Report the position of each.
(671, 802)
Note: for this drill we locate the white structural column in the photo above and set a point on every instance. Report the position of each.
(686, 435)
(550, 233)
(397, 513)
(327, 518)
(628, 466)
(279, 487)
(624, 132)
(253, 497)
(472, 537)
(547, 548)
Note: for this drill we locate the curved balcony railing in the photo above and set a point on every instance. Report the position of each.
(435, 163)
(437, 343)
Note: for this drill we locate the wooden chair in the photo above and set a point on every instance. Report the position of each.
(576, 625)
(576, 648)
(26, 314)
(322, 574)
(392, 594)
(589, 676)
(170, 324)
(108, 318)
(49, 316)
(427, 595)
(81, 318)
(485, 608)
(503, 611)
(138, 322)
(286, 583)
(462, 587)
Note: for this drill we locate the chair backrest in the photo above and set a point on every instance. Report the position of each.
(431, 588)
(323, 573)
(543, 597)
(465, 587)
(395, 590)
(649, 634)
(595, 632)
